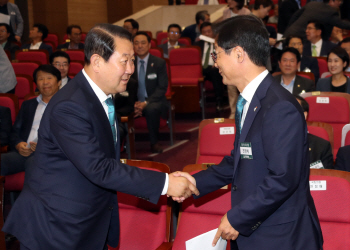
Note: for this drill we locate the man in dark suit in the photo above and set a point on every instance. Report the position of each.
(24, 136)
(5, 33)
(174, 33)
(61, 61)
(74, 36)
(289, 62)
(151, 75)
(69, 199)
(315, 45)
(37, 35)
(131, 25)
(343, 159)
(5, 126)
(193, 31)
(272, 207)
(16, 20)
(286, 10)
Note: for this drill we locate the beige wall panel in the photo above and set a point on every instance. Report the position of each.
(142, 4)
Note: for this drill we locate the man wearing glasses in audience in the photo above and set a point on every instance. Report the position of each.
(174, 33)
(61, 61)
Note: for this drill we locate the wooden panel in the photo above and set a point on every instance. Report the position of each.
(118, 9)
(142, 4)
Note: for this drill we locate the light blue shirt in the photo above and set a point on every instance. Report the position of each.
(33, 135)
(288, 87)
(144, 65)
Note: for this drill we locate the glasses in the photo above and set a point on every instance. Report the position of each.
(172, 32)
(214, 55)
(59, 65)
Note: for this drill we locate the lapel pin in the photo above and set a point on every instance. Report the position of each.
(298, 86)
(152, 64)
(255, 108)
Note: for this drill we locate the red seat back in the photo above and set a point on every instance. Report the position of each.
(322, 65)
(25, 68)
(185, 40)
(161, 37)
(75, 68)
(153, 43)
(24, 87)
(14, 182)
(33, 55)
(10, 101)
(76, 54)
(156, 52)
(318, 131)
(52, 38)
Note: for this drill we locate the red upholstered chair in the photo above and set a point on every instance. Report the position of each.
(154, 43)
(308, 75)
(41, 56)
(336, 112)
(144, 225)
(321, 129)
(215, 140)
(162, 37)
(345, 135)
(10, 101)
(75, 67)
(24, 87)
(201, 215)
(75, 54)
(333, 206)
(322, 64)
(25, 68)
(158, 52)
(52, 38)
(185, 40)
(187, 77)
(191, 1)
(14, 182)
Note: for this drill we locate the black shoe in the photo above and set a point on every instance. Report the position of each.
(156, 148)
(10, 238)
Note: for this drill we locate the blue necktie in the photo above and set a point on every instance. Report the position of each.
(111, 118)
(238, 117)
(142, 85)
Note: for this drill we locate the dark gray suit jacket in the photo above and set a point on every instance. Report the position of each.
(324, 84)
(164, 46)
(42, 46)
(327, 46)
(301, 84)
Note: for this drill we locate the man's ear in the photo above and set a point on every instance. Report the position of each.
(95, 61)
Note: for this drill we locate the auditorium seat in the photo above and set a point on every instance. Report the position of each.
(321, 129)
(40, 56)
(158, 52)
(25, 68)
(24, 87)
(52, 38)
(162, 37)
(10, 101)
(75, 67)
(75, 54)
(322, 64)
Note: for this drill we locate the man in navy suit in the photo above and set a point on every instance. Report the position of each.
(69, 199)
(37, 35)
(268, 168)
(193, 31)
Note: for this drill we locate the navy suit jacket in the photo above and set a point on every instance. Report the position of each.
(69, 198)
(326, 47)
(312, 64)
(5, 125)
(272, 207)
(42, 46)
(343, 159)
(190, 31)
(324, 85)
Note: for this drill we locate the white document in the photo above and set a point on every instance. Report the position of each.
(204, 241)
(4, 19)
(206, 39)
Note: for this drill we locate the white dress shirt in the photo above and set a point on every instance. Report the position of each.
(33, 135)
(205, 48)
(35, 46)
(64, 82)
(318, 47)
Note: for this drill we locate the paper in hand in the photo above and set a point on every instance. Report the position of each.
(204, 242)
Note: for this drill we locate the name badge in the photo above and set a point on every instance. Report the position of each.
(322, 100)
(246, 150)
(152, 76)
(227, 130)
(318, 185)
(317, 164)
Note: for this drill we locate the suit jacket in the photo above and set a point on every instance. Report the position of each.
(300, 84)
(343, 159)
(190, 31)
(164, 46)
(156, 87)
(271, 201)
(124, 105)
(312, 64)
(320, 149)
(16, 20)
(326, 47)
(286, 10)
(69, 198)
(42, 46)
(66, 45)
(5, 125)
(324, 84)
(325, 14)
(24, 122)
(12, 47)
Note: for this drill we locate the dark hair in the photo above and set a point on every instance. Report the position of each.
(48, 69)
(174, 25)
(345, 40)
(240, 4)
(287, 41)
(303, 103)
(142, 33)
(341, 53)
(318, 25)
(290, 50)
(205, 24)
(42, 29)
(100, 40)
(70, 27)
(264, 3)
(8, 27)
(248, 32)
(200, 15)
(59, 53)
(134, 24)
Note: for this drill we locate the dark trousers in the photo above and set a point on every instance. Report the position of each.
(171, 2)
(13, 162)
(212, 74)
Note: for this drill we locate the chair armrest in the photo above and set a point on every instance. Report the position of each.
(4, 149)
(201, 79)
(128, 118)
(165, 246)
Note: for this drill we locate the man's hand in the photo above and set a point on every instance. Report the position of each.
(32, 146)
(18, 38)
(225, 231)
(23, 150)
(180, 187)
(189, 178)
(139, 106)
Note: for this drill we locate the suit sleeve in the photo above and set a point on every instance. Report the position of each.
(162, 83)
(19, 21)
(296, 16)
(73, 132)
(343, 160)
(5, 126)
(18, 127)
(336, 21)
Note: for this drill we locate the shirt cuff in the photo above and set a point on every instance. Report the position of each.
(166, 184)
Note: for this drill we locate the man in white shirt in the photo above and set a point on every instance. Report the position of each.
(61, 61)
(37, 34)
(174, 33)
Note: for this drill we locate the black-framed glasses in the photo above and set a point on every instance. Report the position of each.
(214, 55)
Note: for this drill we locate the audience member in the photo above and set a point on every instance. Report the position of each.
(289, 63)
(327, 13)
(342, 161)
(286, 10)
(337, 35)
(152, 77)
(5, 41)
(307, 63)
(37, 34)
(193, 31)
(5, 126)
(61, 61)
(74, 35)
(174, 33)
(274, 18)
(315, 45)
(210, 72)
(15, 17)
(8, 80)
(338, 61)
(24, 135)
(235, 8)
(345, 44)
(207, 2)
(320, 150)
(132, 26)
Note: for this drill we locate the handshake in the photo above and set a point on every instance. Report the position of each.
(181, 186)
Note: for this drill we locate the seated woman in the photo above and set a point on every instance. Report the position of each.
(338, 61)
(235, 8)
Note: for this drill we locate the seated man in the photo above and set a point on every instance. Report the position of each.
(37, 34)
(315, 45)
(174, 33)
(210, 72)
(193, 31)
(61, 61)
(289, 63)
(24, 134)
(5, 125)
(74, 35)
(345, 44)
(307, 63)
(343, 159)
(152, 77)
(320, 150)
(132, 26)
(5, 33)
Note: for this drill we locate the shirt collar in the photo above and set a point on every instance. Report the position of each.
(176, 44)
(319, 44)
(99, 93)
(40, 100)
(282, 82)
(249, 91)
(37, 44)
(145, 59)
